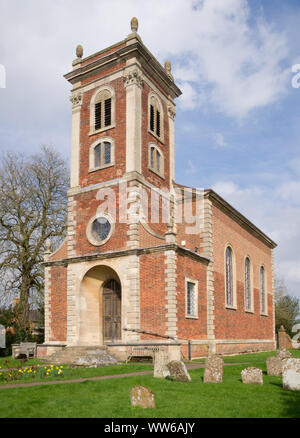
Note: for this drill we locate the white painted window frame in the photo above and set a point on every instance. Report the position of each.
(100, 140)
(94, 131)
(234, 305)
(195, 282)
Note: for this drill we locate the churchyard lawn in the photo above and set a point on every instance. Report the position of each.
(110, 398)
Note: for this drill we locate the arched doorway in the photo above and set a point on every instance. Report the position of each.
(111, 297)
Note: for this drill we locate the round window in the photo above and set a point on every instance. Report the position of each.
(99, 230)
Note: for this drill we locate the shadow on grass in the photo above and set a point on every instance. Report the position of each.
(291, 403)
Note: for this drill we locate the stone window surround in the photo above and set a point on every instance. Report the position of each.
(195, 282)
(161, 137)
(89, 234)
(251, 310)
(265, 313)
(227, 306)
(162, 161)
(99, 140)
(94, 131)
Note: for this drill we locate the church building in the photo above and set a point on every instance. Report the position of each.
(147, 261)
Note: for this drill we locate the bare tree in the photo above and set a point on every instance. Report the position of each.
(33, 208)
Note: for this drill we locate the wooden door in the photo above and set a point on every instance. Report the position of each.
(111, 311)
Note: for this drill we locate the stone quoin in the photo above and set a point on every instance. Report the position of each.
(133, 269)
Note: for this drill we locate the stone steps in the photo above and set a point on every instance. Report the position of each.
(91, 356)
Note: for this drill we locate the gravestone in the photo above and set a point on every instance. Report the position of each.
(2, 336)
(283, 353)
(213, 369)
(161, 360)
(274, 366)
(252, 375)
(142, 396)
(291, 374)
(178, 371)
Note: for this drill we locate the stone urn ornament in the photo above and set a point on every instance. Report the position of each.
(134, 25)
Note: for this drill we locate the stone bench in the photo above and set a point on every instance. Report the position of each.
(27, 349)
(142, 352)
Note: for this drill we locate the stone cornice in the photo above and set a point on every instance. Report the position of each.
(137, 49)
(128, 252)
(223, 205)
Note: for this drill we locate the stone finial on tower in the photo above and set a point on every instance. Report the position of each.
(79, 51)
(168, 68)
(134, 25)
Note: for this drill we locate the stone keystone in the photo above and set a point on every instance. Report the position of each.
(274, 366)
(142, 396)
(213, 369)
(291, 374)
(161, 360)
(178, 371)
(252, 375)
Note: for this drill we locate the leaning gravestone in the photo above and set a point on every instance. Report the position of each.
(283, 353)
(161, 360)
(2, 336)
(274, 366)
(178, 371)
(291, 374)
(252, 375)
(142, 396)
(213, 369)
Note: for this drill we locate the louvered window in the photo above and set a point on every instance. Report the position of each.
(103, 115)
(247, 285)
(155, 117)
(102, 154)
(229, 277)
(262, 290)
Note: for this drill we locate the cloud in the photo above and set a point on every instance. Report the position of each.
(219, 140)
(271, 210)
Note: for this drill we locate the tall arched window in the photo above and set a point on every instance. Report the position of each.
(262, 290)
(156, 161)
(103, 109)
(101, 154)
(155, 118)
(229, 277)
(248, 304)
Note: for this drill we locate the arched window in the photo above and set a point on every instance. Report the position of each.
(262, 290)
(229, 277)
(102, 110)
(155, 117)
(248, 304)
(101, 154)
(156, 161)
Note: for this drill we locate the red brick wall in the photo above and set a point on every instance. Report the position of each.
(86, 208)
(238, 324)
(152, 294)
(194, 270)
(58, 303)
(147, 138)
(61, 253)
(118, 133)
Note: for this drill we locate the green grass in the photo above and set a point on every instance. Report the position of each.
(9, 362)
(79, 373)
(110, 398)
(251, 357)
